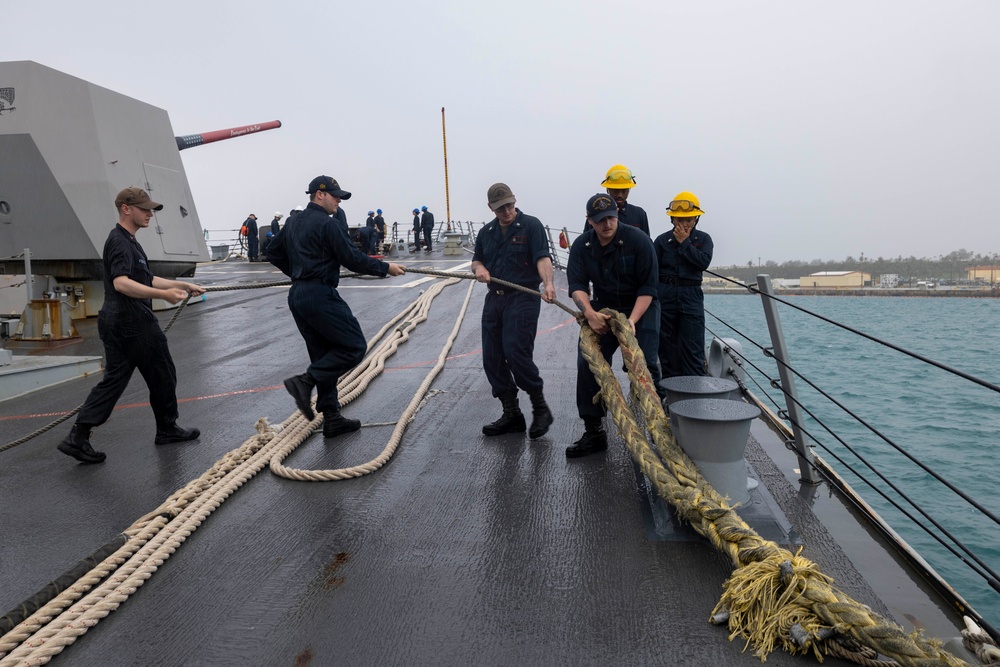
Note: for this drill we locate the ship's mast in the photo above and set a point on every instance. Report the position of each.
(447, 199)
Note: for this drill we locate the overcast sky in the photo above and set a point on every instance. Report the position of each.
(810, 130)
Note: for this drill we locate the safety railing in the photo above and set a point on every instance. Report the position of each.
(910, 432)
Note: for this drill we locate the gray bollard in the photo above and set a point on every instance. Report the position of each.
(713, 432)
(686, 387)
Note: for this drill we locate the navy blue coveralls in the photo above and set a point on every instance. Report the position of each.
(380, 228)
(252, 247)
(631, 215)
(132, 339)
(510, 317)
(682, 303)
(310, 252)
(620, 272)
(416, 230)
(427, 224)
(369, 239)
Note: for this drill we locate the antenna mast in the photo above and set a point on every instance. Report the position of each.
(447, 198)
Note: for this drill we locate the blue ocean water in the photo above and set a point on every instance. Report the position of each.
(950, 424)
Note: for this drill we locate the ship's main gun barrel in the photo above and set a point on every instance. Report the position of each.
(190, 140)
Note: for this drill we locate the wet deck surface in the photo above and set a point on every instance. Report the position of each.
(462, 550)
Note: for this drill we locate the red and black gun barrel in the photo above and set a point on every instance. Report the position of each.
(191, 140)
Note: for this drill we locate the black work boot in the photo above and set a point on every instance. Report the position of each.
(171, 433)
(594, 439)
(512, 419)
(541, 416)
(300, 387)
(77, 445)
(335, 424)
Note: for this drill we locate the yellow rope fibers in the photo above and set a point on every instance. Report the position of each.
(771, 588)
(158, 534)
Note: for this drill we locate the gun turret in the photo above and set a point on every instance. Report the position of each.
(190, 140)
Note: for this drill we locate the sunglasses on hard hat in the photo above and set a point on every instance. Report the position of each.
(682, 205)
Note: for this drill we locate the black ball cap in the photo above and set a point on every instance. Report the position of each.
(327, 184)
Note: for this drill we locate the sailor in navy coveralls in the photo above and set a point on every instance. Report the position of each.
(618, 260)
(513, 247)
(310, 252)
(683, 253)
(131, 333)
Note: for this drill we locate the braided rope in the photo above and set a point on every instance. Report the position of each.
(771, 589)
(155, 536)
(980, 642)
(187, 509)
(355, 383)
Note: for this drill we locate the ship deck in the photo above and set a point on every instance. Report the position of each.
(462, 550)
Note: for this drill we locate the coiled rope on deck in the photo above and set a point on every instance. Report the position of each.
(155, 536)
(771, 590)
(354, 383)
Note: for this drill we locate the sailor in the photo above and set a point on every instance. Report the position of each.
(416, 228)
(311, 252)
(369, 239)
(370, 222)
(380, 228)
(275, 227)
(131, 333)
(618, 183)
(427, 226)
(266, 242)
(250, 224)
(682, 254)
(513, 247)
(619, 262)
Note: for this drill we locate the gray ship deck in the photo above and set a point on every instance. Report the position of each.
(462, 550)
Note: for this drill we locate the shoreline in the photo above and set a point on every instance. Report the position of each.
(872, 292)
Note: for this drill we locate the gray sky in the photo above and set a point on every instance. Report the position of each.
(810, 130)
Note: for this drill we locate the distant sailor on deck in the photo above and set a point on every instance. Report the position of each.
(416, 228)
(427, 225)
(618, 260)
(682, 253)
(250, 224)
(380, 228)
(310, 252)
(131, 333)
(513, 247)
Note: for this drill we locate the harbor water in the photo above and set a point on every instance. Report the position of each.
(947, 422)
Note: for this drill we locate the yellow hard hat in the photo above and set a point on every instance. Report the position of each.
(685, 205)
(619, 177)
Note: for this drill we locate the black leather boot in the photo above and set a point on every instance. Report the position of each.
(512, 419)
(541, 416)
(171, 433)
(300, 387)
(335, 424)
(77, 445)
(594, 439)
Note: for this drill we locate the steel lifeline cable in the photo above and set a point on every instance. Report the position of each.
(773, 598)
